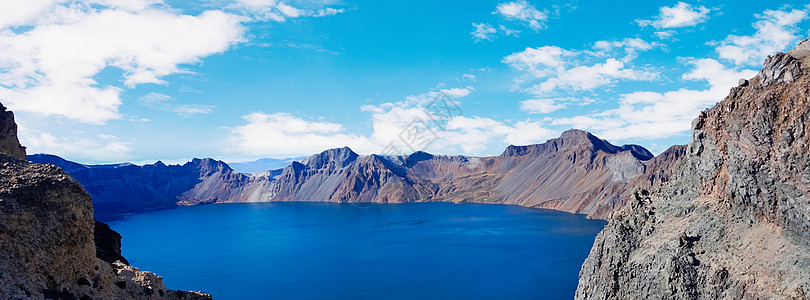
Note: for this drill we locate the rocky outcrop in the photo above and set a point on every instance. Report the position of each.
(48, 241)
(9, 144)
(108, 243)
(734, 220)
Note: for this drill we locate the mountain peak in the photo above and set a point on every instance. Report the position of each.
(576, 138)
(336, 157)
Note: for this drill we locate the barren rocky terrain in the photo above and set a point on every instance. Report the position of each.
(734, 220)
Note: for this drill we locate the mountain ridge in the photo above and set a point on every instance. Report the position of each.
(521, 175)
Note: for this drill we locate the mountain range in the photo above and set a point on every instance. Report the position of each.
(725, 217)
(576, 172)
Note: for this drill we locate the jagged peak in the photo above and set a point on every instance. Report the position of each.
(416, 157)
(335, 157)
(573, 138)
(784, 67)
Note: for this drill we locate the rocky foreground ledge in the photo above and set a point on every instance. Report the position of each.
(734, 221)
(48, 237)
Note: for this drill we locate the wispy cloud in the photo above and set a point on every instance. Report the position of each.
(483, 31)
(102, 147)
(166, 103)
(272, 10)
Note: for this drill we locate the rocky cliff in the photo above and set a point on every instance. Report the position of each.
(8, 135)
(734, 220)
(48, 238)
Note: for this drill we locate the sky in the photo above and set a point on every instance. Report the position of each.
(99, 81)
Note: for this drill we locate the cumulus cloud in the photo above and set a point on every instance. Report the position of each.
(524, 12)
(538, 62)
(681, 15)
(49, 65)
(562, 71)
(775, 31)
(647, 114)
(582, 78)
(285, 134)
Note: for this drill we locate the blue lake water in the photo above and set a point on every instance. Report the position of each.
(346, 251)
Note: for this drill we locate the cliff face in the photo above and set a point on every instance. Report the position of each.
(734, 221)
(48, 239)
(8, 131)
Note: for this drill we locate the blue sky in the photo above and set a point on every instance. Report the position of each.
(141, 80)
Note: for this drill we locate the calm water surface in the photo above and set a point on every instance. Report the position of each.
(346, 251)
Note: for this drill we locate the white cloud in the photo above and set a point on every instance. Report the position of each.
(289, 11)
(583, 78)
(631, 47)
(508, 31)
(656, 115)
(469, 77)
(538, 62)
(483, 32)
(328, 11)
(50, 68)
(102, 148)
(474, 135)
(541, 106)
(166, 103)
(680, 15)
(487, 32)
(285, 134)
(571, 71)
(666, 34)
(547, 105)
(524, 12)
(13, 13)
(776, 30)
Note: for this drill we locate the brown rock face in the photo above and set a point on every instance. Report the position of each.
(47, 247)
(8, 135)
(734, 220)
